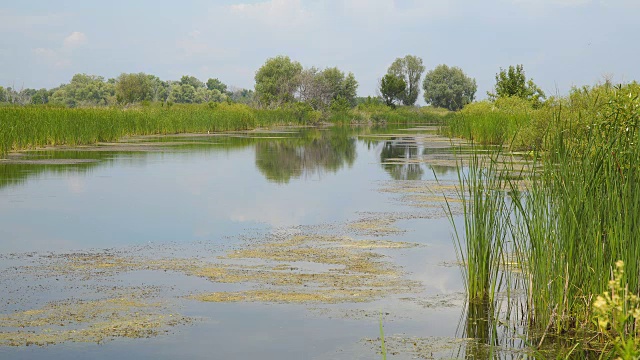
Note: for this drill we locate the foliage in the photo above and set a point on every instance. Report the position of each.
(513, 82)
(84, 90)
(242, 96)
(215, 84)
(322, 88)
(448, 87)
(191, 81)
(577, 213)
(616, 313)
(277, 81)
(132, 88)
(410, 69)
(392, 89)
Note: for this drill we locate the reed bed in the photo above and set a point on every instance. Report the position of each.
(578, 218)
(36, 126)
(24, 127)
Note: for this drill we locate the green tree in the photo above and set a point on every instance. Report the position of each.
(410, 69)
(448, 87)
(215, 84)
(41, 96)
(277, 81)
(84, 90)
(392, 89)
(159, 89)
(3, 94)
(242, 96)
(191, 80)
(131, 88)
(321, 89)
(513, 82)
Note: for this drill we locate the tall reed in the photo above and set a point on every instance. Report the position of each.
(481, 248)
(577, 218)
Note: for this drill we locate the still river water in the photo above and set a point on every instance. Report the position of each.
(201, 198)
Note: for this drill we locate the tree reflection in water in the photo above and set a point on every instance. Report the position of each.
(394, 158)
(312, 154)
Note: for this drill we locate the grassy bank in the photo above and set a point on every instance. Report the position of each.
(24, 127)
(576, 218)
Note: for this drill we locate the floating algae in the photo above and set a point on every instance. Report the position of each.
(300, 268)
(127, 316)
(422, 348)
(342, 270)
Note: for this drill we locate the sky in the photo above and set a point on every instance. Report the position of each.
(560, 43)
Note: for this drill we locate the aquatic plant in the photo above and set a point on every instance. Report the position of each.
(579, 214)
(616, 313)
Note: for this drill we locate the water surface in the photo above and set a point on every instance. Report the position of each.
(202, 197)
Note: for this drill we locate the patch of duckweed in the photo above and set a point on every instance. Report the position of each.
(284, 296)
(422, 347)
(130, 315)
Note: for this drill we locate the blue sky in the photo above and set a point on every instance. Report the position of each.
(561, 43)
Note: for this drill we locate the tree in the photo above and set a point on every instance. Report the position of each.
(3, 94)
(242, 96)
(41, 96)
(215, 84)
(84, 90)
(392, 89)
(448, 87)
(191, 80)
(131, 88)
(410, 69)
(277, 81)
(513, 82)
(321, 89)
(159, 89)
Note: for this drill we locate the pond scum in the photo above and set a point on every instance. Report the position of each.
(556, 263)
(302, 269)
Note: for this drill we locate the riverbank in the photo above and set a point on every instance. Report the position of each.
(27, 127)
(566, 242)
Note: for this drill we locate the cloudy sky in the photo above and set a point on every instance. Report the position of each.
(561, 43)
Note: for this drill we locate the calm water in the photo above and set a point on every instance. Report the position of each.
(190, 195)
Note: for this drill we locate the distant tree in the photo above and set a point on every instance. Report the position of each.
(321, 89)
(349, 90)
(243, 96)
(369, 100)
(84, 90)
(215, 84)
(392, 89)
(191, 80)
(448, 87)
(410, 69)
(131, 88)
(277, 81)
(159, 89)
(41, 96)
(513, 82)
(3, 94)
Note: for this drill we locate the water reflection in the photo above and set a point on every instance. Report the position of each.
(317, 152)
(394, 156)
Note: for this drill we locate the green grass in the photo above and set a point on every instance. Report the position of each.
(578, 216)
(37, 126)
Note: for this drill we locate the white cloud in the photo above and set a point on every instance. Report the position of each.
(75, 39)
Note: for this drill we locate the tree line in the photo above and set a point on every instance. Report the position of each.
(282, 82)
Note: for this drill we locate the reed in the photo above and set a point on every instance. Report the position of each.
(37, 126)
(579, 215)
